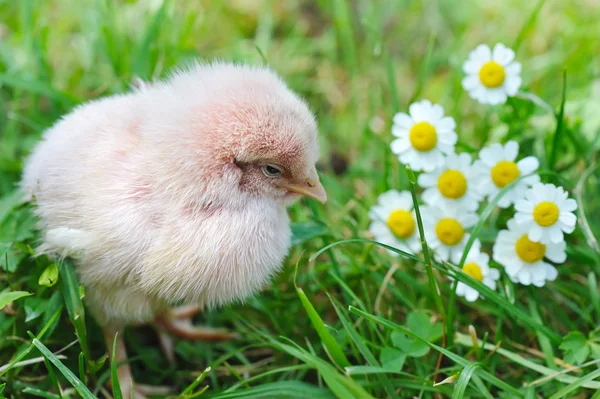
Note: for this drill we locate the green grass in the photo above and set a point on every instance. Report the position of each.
(361, 323)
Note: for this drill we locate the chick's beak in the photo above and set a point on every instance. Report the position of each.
(312, 188)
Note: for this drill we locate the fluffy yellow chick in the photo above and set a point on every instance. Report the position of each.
(175, 194)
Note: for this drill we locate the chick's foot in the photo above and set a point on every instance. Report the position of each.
(178, 322)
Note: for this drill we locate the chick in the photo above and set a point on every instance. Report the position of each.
(175, 194)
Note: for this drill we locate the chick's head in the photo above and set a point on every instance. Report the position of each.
(274, 144)
(252, 126)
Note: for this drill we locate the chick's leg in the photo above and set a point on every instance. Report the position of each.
(120, 355)
(124, 370)
(178, 322)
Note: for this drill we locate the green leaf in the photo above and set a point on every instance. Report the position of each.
(8, 297)
(34, 307)
(576, 348)
(409, 345)
(9, 202)
(304, 231)
(392, 359)
(419, 323)
(329, 342)
(49, 276)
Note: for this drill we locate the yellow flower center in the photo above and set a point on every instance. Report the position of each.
(401, 223)
(505, 172)
(545, 213)
(473, 270)
(530, 251)
(452, 184)
(449, 231)
(492, 74)
(423, 136)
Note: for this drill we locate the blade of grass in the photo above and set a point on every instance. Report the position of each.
(463, 380)
(560, 120)
(17, 359)
(40, 393)
(452, 356)
(142, 56)
(364, 350)
(334, 350)
(190, 388)
(343, 25)
(465, 340)
(424, 68)
(528, 24)
(579, 382)
(484, 290)
(72, 294)
(68, 374)
(279, 389)
(114, 377)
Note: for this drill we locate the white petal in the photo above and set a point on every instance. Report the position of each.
(471, 295)
(403, 120)
(400, 132)
(502, 54)
(556, 252)
(437, 113)
(568, 205)
(482, 52)
(496, 96)
(528, 165)
(446, 123)
(511, 150)
(524, 206)
(443, 252)
(512, 84)
(428, 179)
(419, 110)
(525, 276)
(399, 146)
(551, 272)
(555, 234)
(536, 233)
(513, 69)
(568, 220)
(470, 82)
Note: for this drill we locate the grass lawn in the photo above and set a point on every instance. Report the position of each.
(345, 318)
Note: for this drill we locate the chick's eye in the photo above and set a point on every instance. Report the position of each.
(271, 171)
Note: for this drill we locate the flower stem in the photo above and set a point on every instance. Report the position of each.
(433, 287)
(536, 100)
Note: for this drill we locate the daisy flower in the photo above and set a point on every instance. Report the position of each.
(477, 266)
(523, 259)
(492, 75)
(423, 136)
(449, 184)
(497, 167)
(445, 230)
(393, 222)
(547, 213)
